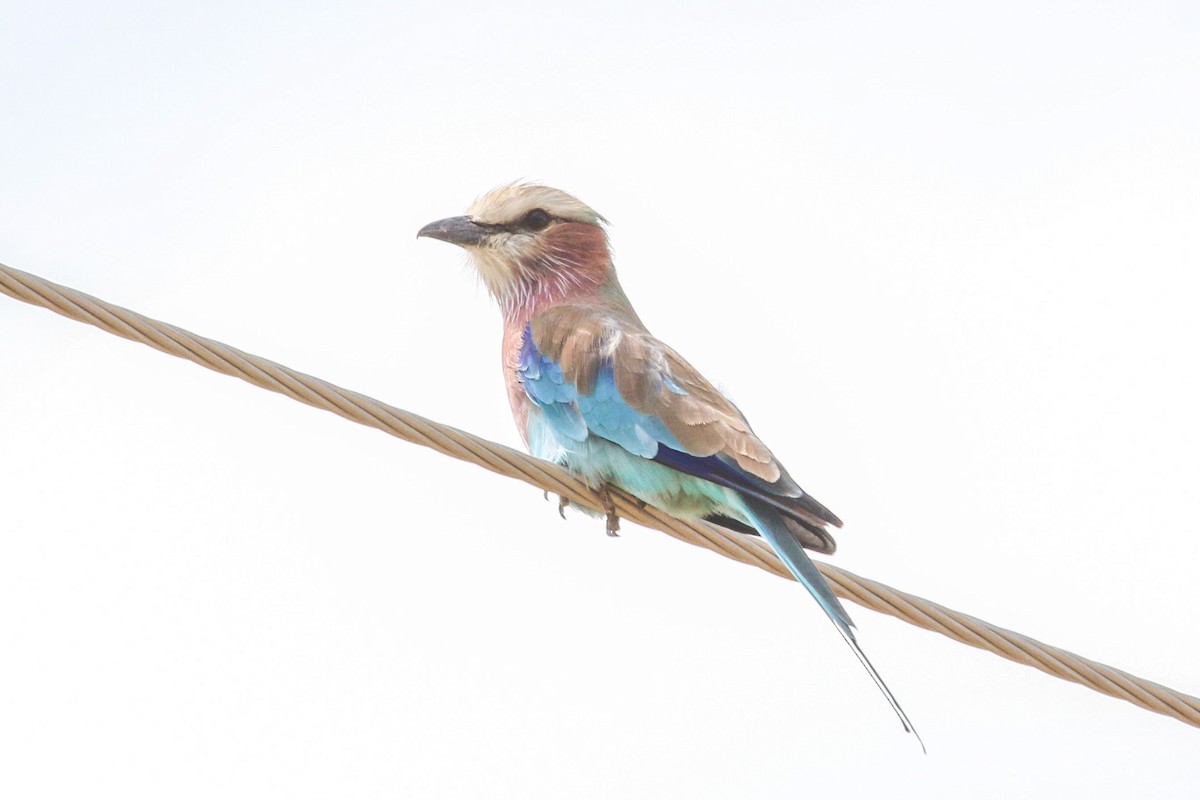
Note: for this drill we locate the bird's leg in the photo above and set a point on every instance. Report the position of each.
(612, 522)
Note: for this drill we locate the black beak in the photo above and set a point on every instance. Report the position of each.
(456, 230)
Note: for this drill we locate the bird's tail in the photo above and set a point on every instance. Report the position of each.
(773, 528)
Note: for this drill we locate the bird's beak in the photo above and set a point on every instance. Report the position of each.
(462, 231)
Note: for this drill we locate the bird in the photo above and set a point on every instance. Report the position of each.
(593, 390)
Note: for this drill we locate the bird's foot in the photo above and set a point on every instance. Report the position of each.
(563, 502)
(612, 523)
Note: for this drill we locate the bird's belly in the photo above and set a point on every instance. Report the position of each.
(598, 461)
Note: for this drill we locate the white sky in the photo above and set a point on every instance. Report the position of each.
(945, 259)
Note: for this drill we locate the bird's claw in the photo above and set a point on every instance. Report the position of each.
(612, 522)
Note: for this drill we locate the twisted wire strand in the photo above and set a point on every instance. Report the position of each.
(552, 478)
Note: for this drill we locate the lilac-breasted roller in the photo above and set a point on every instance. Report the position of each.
(591, 388)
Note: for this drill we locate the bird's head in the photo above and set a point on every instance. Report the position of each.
(532, 245)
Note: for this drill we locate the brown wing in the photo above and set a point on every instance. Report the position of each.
(655, 380)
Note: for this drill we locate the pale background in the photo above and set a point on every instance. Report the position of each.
(944, 257)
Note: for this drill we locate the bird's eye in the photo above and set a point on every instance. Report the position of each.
(536, 220)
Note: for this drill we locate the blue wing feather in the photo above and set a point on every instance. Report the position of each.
(572, 417)
(602, 412)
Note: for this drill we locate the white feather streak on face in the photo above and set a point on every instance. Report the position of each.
(501, 265)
